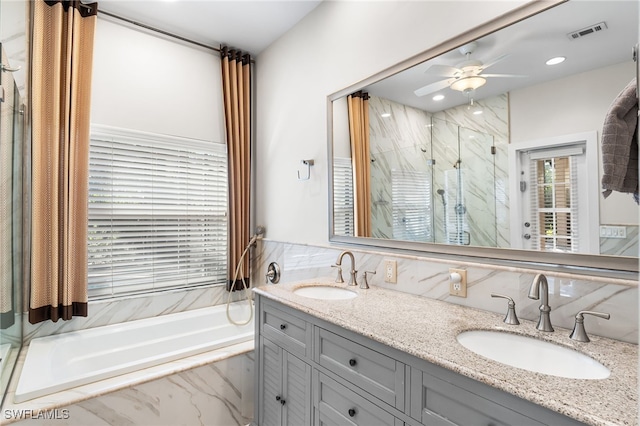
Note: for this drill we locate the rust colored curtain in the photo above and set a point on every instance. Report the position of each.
(236, 85)
(63, 33)
(358, 105)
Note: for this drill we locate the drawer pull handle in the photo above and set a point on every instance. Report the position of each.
(352, 362)
(352, 412)
(283, 326)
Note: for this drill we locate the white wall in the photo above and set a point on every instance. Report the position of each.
(145, 82)
(573, 105)
(337, 45)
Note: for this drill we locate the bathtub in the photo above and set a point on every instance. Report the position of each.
(63, 361)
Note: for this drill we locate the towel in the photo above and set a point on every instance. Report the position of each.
(620, 144)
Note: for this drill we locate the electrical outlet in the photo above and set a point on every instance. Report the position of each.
(458, 282)
(390, 271)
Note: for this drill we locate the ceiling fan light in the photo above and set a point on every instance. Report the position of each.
(467, 84)
(555, 61)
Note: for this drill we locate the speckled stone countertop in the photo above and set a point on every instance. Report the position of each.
(427, 329)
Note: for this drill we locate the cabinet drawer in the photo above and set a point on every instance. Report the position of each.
(290, 332)
(376, 373)
(340, 406)
(438, 401)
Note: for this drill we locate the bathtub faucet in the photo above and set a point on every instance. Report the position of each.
(353, 280)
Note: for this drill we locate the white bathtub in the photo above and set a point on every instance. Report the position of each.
(59, 362)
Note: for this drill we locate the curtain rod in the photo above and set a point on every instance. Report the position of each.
(147, 27)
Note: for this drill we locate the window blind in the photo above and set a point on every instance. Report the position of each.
(157, 213)
(411, 206)
(343, 219)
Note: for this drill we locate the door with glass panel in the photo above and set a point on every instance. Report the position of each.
(553, 200)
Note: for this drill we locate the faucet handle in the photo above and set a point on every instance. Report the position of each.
(365, 283)
(511, 317)
(339, 278)
(579, 333)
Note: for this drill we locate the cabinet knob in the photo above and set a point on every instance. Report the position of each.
(352, 412)
(279, 398)
(283, 326)
(352, 362)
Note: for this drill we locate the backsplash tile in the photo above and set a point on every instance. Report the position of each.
(568, 294)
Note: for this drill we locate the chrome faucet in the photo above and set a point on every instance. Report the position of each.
(353, 280)
(540, 290)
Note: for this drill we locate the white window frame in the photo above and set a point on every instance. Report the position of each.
(187, 234)
(589, 243)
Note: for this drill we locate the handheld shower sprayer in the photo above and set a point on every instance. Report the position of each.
(260, 230)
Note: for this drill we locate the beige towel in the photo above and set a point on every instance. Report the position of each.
(620, 144)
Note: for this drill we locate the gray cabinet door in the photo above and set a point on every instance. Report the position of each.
(296, 391)
(286, 387)
(271, 368)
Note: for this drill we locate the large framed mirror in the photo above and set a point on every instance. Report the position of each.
(479, 148)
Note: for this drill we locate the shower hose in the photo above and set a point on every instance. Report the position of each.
(245, 288)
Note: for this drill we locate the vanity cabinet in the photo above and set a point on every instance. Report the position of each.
(313, 372)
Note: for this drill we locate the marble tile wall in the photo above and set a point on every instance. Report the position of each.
(428, 277)
(220, 393)
(452, 148)
(105, 312)
(621, 246)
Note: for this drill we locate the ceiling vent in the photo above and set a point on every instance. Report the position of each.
(601, 26)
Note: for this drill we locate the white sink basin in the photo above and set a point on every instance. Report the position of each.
(532, 354)
(325, 292)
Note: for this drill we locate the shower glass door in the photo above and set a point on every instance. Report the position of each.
(465, 185)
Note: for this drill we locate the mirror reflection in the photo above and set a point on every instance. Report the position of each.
(488, 146)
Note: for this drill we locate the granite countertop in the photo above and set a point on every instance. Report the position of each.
(427, 329)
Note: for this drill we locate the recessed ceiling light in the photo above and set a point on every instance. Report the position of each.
(556, 60)
(385, 114)
(477, 112)
(438, 97)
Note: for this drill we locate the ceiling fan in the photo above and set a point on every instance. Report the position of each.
(465, 77)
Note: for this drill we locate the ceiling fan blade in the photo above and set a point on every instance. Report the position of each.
(494, 61)
(433, 87)
(503, 75)
(442, 70)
